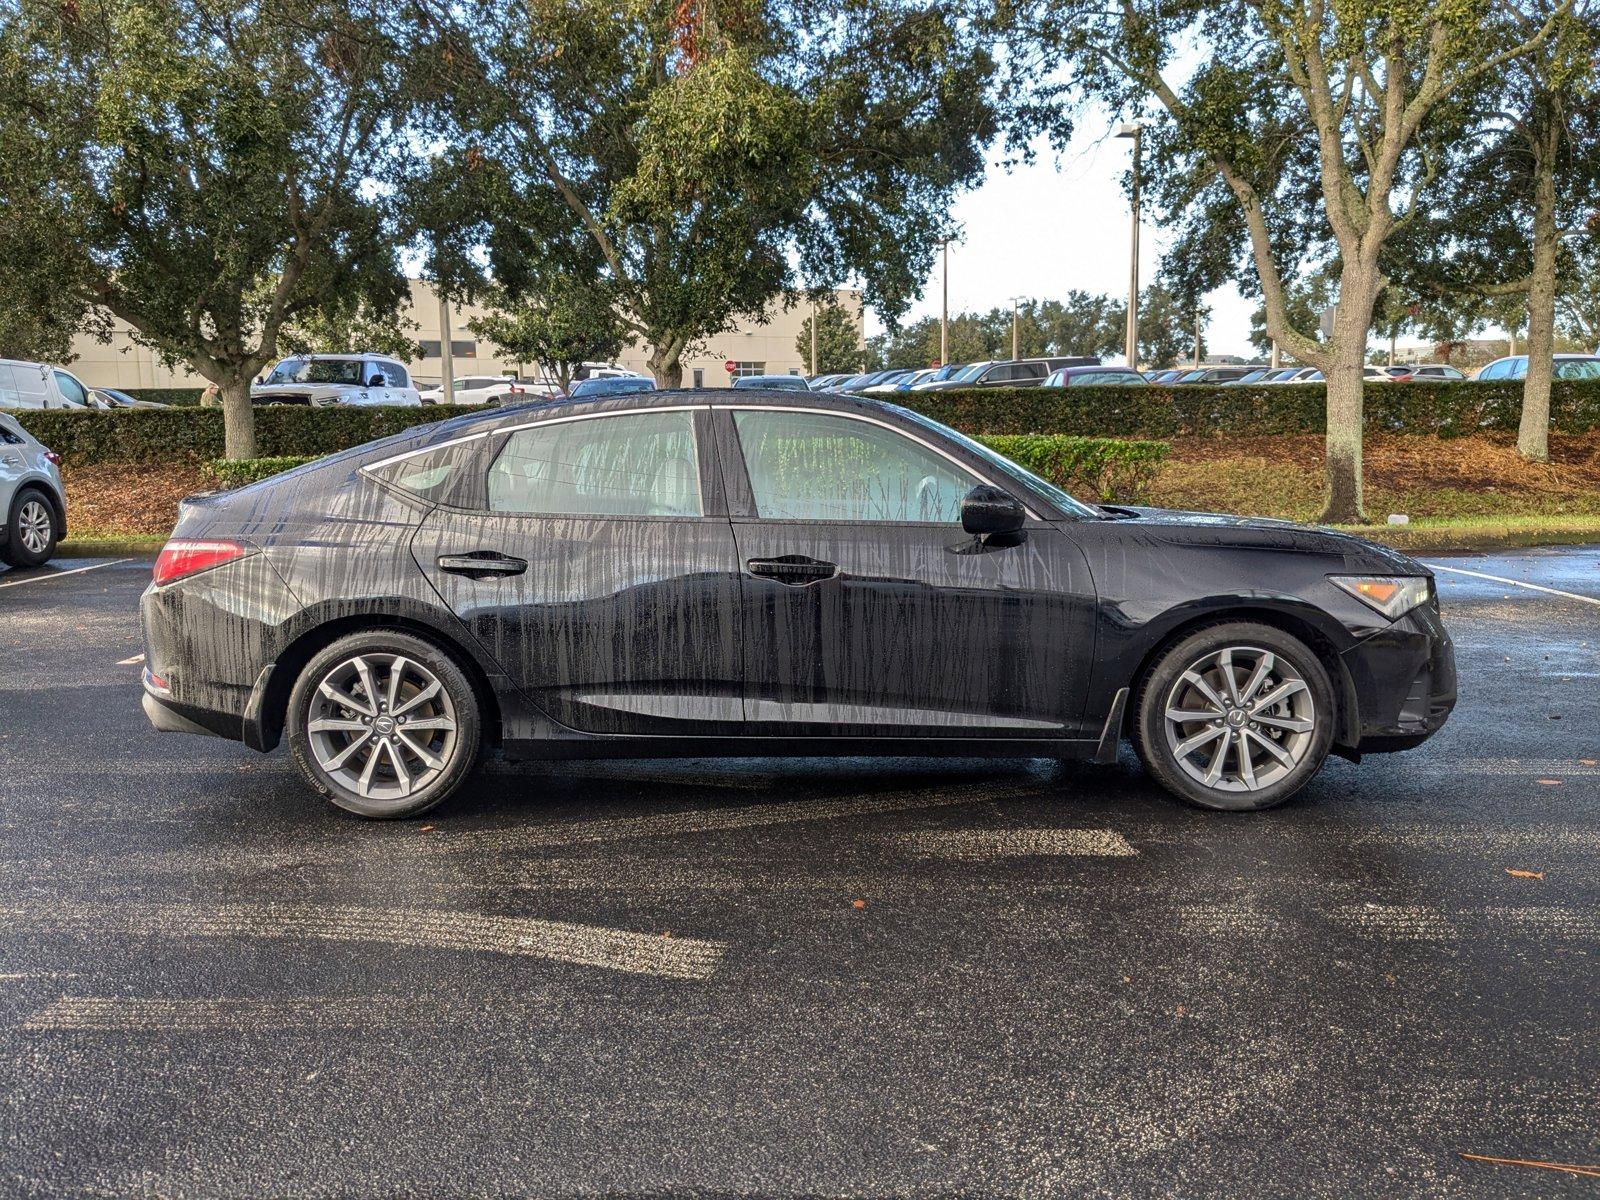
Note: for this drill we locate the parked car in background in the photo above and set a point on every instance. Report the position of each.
(916, 377)
(611, 385)
(1212, 375)
(39, 385)
(1567, 366)
(859, 383)
(700, 573)
(112, 398)
(1424, 372)
(822, 383)
(1094, 377)
(33, 503)
(783, 383)
(940, 374)
(490, 390)
(891, 382)
(1170, 375)
(326, 380)
(1022, 372)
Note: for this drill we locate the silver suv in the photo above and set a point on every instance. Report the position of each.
(32, 501)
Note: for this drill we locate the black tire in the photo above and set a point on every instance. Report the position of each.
(455, 702)
(1166, 683)
(28, 507)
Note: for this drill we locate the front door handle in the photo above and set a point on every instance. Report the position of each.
(481, 564)
(792, 568)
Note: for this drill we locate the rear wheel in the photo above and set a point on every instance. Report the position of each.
(31, 531)
(1236, 716)
(384, 724)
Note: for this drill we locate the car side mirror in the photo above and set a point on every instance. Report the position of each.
(375, 381)
(991, 512)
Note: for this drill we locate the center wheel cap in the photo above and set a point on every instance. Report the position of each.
(383, 726)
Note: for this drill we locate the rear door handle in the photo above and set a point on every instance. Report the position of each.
(481, 564)
(792, 568)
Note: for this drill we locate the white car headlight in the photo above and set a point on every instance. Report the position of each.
(1392, 595)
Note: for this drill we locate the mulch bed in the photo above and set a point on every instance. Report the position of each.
(128, 499)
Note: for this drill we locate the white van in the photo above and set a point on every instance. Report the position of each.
(39, 385)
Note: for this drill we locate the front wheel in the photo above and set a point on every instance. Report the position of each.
(1236, 716)
(384, 724)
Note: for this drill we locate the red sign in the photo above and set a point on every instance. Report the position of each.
(730, 366)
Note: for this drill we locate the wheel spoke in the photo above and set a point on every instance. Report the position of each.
(1189, 745)
(1283, 691)
(345, 699)
(426, 693)
(1258, 677)
(335, 725)
(364, 784)
(1193, 679)
(367, 684)
(1214, 770)
(1272, 747)
(444, 723)
(1185, 716)
(1247, 768)
(397, 672)
(400, 772)
(1292, 724)
(339, 759)
(1225, 662)
(433, 761)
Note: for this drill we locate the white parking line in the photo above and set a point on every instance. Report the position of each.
(1532, 587)
(64, 574)
(428, 929)
(137, 1014)
(982, 844)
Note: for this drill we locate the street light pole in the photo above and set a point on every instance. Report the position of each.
(944, 312)
(1135, 131)
(1015, 353)
(446, 359)
(814, 337)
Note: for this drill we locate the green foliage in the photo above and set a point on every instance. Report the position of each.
(351, 325)
(1090, 468)
(705, 159)
(183, 397)
(209, 175)
(839, 345)
(236, 472)
(195, 434)
(561, 326)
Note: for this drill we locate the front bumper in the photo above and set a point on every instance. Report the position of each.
(1404, 679)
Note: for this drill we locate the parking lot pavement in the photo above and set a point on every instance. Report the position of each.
(785, 978)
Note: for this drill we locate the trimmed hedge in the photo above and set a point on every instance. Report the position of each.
(195, 434)
(1450, 409)
(185, 397)
(1089, 468)
(1092, 468)
(236, 472)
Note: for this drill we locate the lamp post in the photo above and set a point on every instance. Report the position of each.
(1015, 352)
(944, 311)
(1135, 131)
(814, 336)
(446, 358)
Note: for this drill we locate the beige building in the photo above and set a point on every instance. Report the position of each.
(759, 349)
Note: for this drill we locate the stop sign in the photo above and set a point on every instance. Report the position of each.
(730, 366)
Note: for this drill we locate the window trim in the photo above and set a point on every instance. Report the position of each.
(736, 448)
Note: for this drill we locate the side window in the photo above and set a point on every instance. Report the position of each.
(1028, 370)
(820, 467)
(286, 371)
(629, 465)
(70, 389)
(394, 374)
(9, 397)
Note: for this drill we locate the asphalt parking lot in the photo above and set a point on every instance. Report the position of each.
(800, 978)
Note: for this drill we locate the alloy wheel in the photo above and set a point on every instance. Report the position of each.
(1239, 719)
(382, 726)
(34, 526)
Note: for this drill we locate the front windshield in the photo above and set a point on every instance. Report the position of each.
(319, 370)
(1006, 467)
(966, 374)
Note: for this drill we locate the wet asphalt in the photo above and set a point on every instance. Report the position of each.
(840, 978)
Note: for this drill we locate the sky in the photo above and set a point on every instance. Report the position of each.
(1040, 231)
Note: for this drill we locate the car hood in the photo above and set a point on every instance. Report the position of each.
(1179, 526)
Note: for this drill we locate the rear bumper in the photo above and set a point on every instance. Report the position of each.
(167, 719)
(1404, 679)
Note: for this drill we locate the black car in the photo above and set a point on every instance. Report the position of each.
(1022, 372)
(743, 573)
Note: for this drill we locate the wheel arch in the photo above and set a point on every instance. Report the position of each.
(269, 703)
(1297, 622)
(46, 487)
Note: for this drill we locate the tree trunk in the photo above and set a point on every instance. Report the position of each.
(666, 364)
(238, 419)
(1347, 356)
(1533, 432)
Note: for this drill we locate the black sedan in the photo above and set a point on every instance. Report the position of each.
(746, 573)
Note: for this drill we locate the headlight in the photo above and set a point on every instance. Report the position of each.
(1392, 595)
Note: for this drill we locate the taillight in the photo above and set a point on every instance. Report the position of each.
(55, 459)
(179, 558)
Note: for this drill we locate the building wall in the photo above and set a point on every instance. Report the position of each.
(122, 363)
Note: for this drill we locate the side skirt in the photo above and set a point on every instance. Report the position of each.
(817, 747)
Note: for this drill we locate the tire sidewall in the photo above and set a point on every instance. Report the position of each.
(16, 553)
(445, 669)
(1150, 734)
